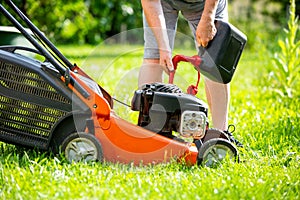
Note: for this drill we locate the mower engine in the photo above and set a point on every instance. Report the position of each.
(164, 108)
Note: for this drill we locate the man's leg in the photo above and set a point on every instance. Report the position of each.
(218, 96)
(150, 72)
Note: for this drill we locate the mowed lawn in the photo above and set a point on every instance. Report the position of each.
(266, 124)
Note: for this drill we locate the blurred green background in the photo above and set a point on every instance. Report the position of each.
(93, 21)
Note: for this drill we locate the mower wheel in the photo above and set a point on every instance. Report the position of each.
(82, 147)
(215, 150)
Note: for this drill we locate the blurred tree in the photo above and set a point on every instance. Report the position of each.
(114, 16)
(92, 21)
(78, 21)
(286, 4)
(261, 20)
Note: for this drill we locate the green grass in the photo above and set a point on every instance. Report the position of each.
(267, 125)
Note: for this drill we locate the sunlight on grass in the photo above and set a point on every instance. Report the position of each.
(269, 129)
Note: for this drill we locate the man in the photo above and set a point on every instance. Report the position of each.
(160, 22)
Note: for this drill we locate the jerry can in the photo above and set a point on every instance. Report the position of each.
(221, 56)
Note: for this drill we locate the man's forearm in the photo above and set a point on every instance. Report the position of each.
(210, 9)
(206, 29)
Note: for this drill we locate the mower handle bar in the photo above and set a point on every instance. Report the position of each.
(63, 71)
(194, 60)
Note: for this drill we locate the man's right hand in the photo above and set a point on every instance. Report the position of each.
(166, 60)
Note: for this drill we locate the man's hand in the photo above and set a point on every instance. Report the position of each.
(206, 31)
(166, 61)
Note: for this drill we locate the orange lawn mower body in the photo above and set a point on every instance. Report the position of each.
(54, 105)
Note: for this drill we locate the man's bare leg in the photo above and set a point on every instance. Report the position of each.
(150, 72)
(218, 96)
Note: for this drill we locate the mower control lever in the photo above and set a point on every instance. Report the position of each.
(194, 60)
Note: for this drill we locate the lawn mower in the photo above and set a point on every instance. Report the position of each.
(53, 105)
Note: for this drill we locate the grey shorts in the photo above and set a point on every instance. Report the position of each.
(192, 13)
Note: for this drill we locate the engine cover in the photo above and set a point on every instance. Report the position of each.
(164, 108)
